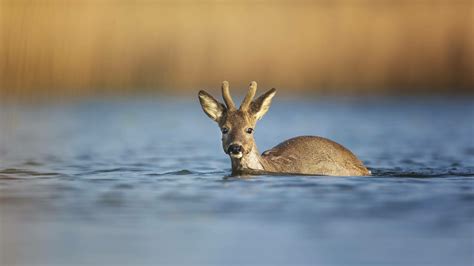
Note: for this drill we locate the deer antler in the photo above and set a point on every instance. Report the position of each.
(226, 95)
(249, 97)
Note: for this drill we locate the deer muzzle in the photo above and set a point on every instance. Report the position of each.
(235, 150)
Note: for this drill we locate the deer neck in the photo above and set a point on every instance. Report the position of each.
(250, 161)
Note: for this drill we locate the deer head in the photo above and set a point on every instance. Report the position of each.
(237, 125)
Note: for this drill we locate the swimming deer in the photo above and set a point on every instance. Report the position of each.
(309, 155)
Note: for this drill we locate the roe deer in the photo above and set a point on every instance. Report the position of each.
(301, 155)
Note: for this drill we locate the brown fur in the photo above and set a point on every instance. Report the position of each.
(307, 155)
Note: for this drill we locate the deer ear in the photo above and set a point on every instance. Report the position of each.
(211, 106)
(260, 106)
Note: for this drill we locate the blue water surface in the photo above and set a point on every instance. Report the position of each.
(144, 182)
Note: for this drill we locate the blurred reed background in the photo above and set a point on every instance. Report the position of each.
(66, 48)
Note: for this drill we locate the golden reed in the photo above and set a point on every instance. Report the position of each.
(82, 48)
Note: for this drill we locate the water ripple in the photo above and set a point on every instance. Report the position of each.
(113, 170)
(13, 173)
(178, 172)
(425, 172)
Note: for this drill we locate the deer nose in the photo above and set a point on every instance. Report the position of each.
(235, 149)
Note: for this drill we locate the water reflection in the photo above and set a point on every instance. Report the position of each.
(80, 187)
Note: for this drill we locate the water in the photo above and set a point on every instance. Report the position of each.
(143, 182)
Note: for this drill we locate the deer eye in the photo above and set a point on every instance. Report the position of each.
(249, 130)
(225, 130)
